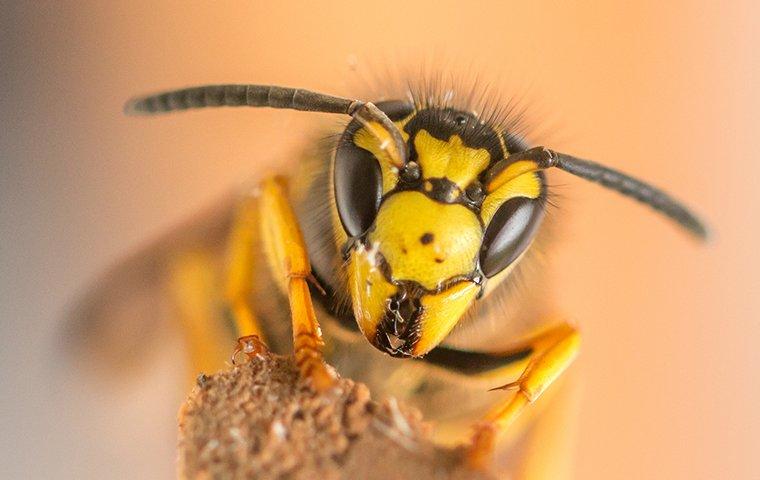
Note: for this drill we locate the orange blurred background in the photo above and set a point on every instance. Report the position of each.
(667, 91)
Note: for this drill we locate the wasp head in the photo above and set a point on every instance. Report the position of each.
(423, 238)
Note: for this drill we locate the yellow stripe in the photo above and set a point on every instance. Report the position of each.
(527, 185)
(368, 141)
(450, 159)
(510, 173)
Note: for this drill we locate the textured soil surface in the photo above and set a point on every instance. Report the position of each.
(258, 420)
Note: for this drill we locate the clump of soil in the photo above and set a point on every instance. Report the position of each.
(259, 420)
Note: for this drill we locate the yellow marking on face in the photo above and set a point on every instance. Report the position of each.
(510, 173)
(424, 240)
(369, 291)
(368, 140)
(526, 185)
(450, 159)
(441, 312)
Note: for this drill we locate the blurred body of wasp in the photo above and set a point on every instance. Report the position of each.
(415, 222)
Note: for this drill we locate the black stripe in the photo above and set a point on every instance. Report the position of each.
(472, 363)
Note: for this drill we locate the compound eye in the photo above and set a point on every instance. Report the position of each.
(357, 177)
(358, 187)
(511, 230)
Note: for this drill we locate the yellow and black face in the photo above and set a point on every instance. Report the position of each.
(421, 241)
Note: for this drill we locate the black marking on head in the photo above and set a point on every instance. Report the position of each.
(444, 190)
(427, 238)
(410, 173)
(442, 123)
(474, 193)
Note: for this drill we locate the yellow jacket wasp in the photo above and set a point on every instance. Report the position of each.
(415, 223)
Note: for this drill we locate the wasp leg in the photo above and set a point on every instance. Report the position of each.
(553, 351)
(240, 269)
(287, 251)
(193, 282)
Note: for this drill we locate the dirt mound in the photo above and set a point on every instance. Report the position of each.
(258, 420)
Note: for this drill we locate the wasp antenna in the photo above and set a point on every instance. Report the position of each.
(634, 188)
(240, 96)
(271, 96)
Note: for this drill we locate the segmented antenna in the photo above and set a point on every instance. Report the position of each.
(634, 188)
(241, 96)
(274, 97)
(542, 158)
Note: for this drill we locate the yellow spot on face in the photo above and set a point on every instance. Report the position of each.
(441, 312)
(369, 291)
(455, 237)
(450, 159)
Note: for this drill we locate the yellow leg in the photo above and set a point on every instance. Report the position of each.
(287, 251)
(240, 269)
(554, 351)
(193, 285)
(546, 449)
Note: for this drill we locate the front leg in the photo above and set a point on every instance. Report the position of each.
(286, 250)
(553, 352)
